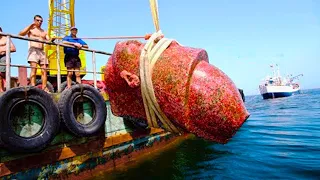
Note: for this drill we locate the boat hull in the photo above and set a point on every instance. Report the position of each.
(70, 157)
(276, 95)
(271, 92)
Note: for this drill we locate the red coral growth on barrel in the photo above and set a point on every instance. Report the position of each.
(193, 94)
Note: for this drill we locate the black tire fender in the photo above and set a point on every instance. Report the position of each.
(64, 85)
(11, 103)
(49, 85)
(67, 104)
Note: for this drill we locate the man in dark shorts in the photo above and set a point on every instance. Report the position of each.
(3, 50)
(71, 58)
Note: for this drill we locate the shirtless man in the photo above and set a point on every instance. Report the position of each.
(36, 53)
(3, 50)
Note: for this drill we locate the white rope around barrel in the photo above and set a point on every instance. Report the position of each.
(148, 57)
(155, 14)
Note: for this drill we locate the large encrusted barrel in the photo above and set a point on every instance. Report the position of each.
(193, 94)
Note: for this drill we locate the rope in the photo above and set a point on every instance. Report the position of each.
(155, 14)
(148, 57)
(26, 89)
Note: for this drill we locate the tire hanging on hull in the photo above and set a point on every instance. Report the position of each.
(64, 85)
(49, 85)
(29, 119)
(82, 109)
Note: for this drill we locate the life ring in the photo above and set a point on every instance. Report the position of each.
(49, 85)
(82, 109)
(29, 119)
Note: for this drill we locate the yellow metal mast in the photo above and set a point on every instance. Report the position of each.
(61, 19)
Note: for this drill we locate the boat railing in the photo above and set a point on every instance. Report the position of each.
(58, 69)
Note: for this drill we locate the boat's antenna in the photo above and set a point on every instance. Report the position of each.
(278, 70)
(273, 71)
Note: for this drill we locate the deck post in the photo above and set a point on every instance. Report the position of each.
(58, 69)
(8, 57)
(94, 69)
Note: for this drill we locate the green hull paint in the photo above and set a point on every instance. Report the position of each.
(88, 161)
(113, 126)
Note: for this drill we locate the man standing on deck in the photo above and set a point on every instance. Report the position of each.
(36, 54)
(71, 58)
(3, 51)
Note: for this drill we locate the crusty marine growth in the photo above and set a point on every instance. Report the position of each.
(195, 95)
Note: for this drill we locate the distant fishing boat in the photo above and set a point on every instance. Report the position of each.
(276, 86)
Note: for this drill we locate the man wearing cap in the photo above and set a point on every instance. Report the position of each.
(71, 58)
(3, 51)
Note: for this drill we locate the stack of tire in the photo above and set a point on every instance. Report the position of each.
(12, 101)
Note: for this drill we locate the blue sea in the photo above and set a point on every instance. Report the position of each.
(280, 140)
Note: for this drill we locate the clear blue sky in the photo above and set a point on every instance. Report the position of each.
(242, 38)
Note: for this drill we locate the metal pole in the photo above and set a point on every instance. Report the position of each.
(109, 37)
(52, 43)
(94, 69)
(8, 57)
(58, 68)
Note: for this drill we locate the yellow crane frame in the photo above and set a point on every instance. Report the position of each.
(61, 19)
